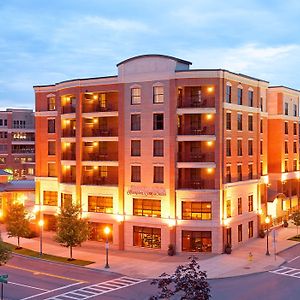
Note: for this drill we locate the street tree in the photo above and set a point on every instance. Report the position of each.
(5, 253)
(17, 222)
(72, 230)
(296, 219)
(188, 282)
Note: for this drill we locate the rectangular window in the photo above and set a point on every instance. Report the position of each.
(50, 198)
(250, 123)
(295, 128)
(52, 170)
(147, 207)
(239, 147)
(158, 174)
(136, 96)
(295, 147)
(228, 208)
(286, 127)
(240, 233)
(286, 166)
(135, 173)
(228, 121)
(51, 103)
(261, 126)
(250, 203)
(228, 174)
(51, 147)
(286, 147)
(240, 206)
(239, 122)
(228, 93)
(295, 165)
(136, 148)
(135, 122)
(147, 237)
(240, 96)
(261, 168)
(295, 110)
(158, 148)
(239, 173)
(158, 94)
(250, 147)
(250, 229)
(99, 204)
(196, 210)
(51, 126)
(196, 241)
(286, 109)
(158, 121)
(261, 147)
(196, 96)
(66, 200)
(228, 147)
(250, 98)
(250, 171)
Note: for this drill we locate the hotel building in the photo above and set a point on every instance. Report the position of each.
(17, 142)
(161, 153)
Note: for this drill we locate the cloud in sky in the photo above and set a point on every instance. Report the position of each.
(64, 39)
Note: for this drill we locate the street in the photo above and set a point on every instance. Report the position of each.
(37, 279)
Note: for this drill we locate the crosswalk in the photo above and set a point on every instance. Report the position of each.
(98, 289)
(287, 271)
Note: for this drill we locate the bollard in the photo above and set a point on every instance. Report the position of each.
(250, 257)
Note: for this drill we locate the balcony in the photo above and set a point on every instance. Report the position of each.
(99, 175)
(68, 179)
(97, 156)
(68, 109)
(192, 102)
(68, 132)
(94, 180)
(196, 157)
(199, 184)
(97, 132)
(100, 102)
(68, 156)
(204, 130)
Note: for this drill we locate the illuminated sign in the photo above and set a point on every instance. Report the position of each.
(146, 191)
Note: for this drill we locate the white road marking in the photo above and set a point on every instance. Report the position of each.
(54, 290)
(28, 286)
(287, 271)
(293, 259)
(93, 290)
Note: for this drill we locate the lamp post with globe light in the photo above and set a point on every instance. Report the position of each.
(107, 232)
(41, 225)
(267, 221)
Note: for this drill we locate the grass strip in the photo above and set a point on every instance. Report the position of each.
(49, 257)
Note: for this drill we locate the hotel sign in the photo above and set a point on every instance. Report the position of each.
(143, 191)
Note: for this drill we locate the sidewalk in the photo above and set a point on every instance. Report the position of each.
(150, 265)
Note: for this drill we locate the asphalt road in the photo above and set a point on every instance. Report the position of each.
(37, 280)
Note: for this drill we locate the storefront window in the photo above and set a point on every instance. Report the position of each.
(146, 207)
(147, 237)
(196, 241)
(97, 232)
(196, 210)
(100, 204)
(50, 198)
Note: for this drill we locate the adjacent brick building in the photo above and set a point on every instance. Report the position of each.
(161, 153)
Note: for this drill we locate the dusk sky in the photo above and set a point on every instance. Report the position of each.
(43, 42)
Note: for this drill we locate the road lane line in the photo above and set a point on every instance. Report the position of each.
(293, 259)
(43, 273)
(54, 290)
(29, 286)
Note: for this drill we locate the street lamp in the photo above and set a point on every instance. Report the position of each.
(267, 221)
(106, 231)
(41, 225)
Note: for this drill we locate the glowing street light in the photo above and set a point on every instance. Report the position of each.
(107, 232)
(41, 225)
(267, 221)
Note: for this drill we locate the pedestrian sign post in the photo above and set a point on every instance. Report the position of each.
(3, 279)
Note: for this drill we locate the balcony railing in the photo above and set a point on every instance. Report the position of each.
(111, 156)
(28, 139)
(68, 179)
(68, 109)
(68, 133)
(196, 184)
(205, 130)
(98, 108)
(23, 151)
(68, 156)
(196, 102)
(196, 157)
(99, 132)
(93, 180)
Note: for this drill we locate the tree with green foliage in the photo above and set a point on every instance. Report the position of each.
(188, 282)
(72, 229)
(296, 219)
(5, 253)
(17, 222)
